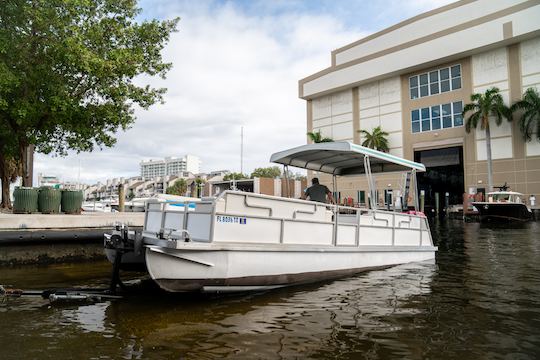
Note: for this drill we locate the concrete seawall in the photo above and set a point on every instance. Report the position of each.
(44, 239)
(63, 221)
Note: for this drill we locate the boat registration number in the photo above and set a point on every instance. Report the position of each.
(231, 219)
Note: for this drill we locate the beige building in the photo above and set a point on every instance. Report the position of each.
(413, 78)
(268, 186)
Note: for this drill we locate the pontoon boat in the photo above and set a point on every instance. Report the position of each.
(242, 241)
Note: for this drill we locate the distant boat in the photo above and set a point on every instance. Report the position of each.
(503, 205)
(96, 206)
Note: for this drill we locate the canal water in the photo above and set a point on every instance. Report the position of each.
(480, 300)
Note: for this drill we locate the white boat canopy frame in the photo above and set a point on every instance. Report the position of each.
(343, 158)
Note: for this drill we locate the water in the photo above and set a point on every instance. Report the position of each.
(481, 300)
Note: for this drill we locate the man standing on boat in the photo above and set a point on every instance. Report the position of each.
(318, 192)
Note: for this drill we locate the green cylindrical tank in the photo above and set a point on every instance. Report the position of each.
(72, 201)
(26, 200)
(49, 200)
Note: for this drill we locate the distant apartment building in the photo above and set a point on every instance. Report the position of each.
(170, 166)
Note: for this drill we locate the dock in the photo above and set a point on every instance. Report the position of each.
(49, 238)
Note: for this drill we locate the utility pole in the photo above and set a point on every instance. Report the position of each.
(241, 150)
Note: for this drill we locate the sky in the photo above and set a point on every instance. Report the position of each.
(235, 64)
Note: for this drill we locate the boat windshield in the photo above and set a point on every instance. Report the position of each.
(505, 197)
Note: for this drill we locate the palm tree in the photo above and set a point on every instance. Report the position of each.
(316, 137)
(377, 139)
(529, 122)
(482, 107)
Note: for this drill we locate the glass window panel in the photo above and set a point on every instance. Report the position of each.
(413, 81)
(445, 74)
(434, 76)
(447, 122)
(446, 110)
(416, 127)
(445, 85)
(436, 123)
(425, 113)
(415, 115)
(423, 79)
(434, 88)
(424, 90)
(435, 111)
(458, 107)
(458, 120)
(426, 125)
(456, 71)
(414, 93)
(456, 83)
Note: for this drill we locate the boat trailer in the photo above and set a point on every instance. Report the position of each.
(56, 295)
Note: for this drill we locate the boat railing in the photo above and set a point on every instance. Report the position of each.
(256, 218)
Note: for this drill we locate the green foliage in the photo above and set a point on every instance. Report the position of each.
(529, 118)
(294, 176)
(178, 188)
(377, 139)
(267, 172)
(67, 70)
(234, 176)
(484, 106)
(316, 137)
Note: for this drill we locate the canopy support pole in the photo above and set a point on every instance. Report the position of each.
(371, 185)
(416, 204)
(286, 173)
(336, 209)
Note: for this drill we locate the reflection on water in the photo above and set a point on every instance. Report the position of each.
(480, 300)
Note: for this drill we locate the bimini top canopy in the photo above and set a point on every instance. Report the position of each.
(343, 158)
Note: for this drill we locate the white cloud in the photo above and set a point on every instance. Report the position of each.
(233, 68)
(230, 70)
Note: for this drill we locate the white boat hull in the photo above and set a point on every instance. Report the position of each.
(240, 268)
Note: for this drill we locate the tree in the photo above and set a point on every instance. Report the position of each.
(178, 188)
(482, 107)
(67, 70)
(267, 172)
(234, 176)
(199, 183)
(377, 139)
(316, 137)
(529, 119)
(9, 171)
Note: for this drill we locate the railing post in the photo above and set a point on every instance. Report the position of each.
(185, 222)
(281, 231)
(393, 229)
(163, 213)
(357, 239)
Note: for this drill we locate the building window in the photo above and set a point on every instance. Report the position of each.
(435, 82)
(437, 117)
